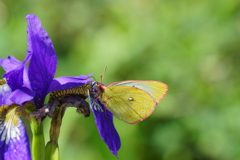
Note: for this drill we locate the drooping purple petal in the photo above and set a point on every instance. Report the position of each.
(14, 71)
(10, 63)
(20, 96)
(43, 63)
(14, 143)
(105, 126)
(62, 83)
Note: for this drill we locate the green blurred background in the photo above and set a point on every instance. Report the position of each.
(193, 46)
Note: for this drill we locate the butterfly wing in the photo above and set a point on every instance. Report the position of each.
(156, 89)
(128, 103)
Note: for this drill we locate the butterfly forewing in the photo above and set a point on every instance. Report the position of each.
(156, 89)
(128, 103)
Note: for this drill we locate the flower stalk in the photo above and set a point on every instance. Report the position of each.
(52, 148)
(38, 141)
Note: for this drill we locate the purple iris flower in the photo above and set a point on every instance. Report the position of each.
(104, 122)
(29, 83)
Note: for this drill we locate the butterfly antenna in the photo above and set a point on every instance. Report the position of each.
(102, 75)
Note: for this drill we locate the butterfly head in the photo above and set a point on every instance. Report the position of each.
(98, 88)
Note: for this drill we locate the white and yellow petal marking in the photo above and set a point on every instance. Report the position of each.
(9, 123)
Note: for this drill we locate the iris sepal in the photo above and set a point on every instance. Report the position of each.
(14, 143)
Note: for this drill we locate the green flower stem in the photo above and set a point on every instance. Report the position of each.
(38, 142)
(52, 149)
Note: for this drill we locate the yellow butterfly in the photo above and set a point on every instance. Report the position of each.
(131, 101)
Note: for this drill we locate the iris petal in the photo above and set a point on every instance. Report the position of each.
(41, 69)
(62, 83)
(14, 71)
(35, 28)
(104, 122)
(43, 63)
(14, 143)
(20, 96)
(10, 63)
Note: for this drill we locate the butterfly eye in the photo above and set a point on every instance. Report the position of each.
(130, 99)
(102, 88)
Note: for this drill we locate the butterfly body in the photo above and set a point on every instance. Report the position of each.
(131, 101)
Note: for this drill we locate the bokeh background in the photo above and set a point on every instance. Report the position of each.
(193, 46)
